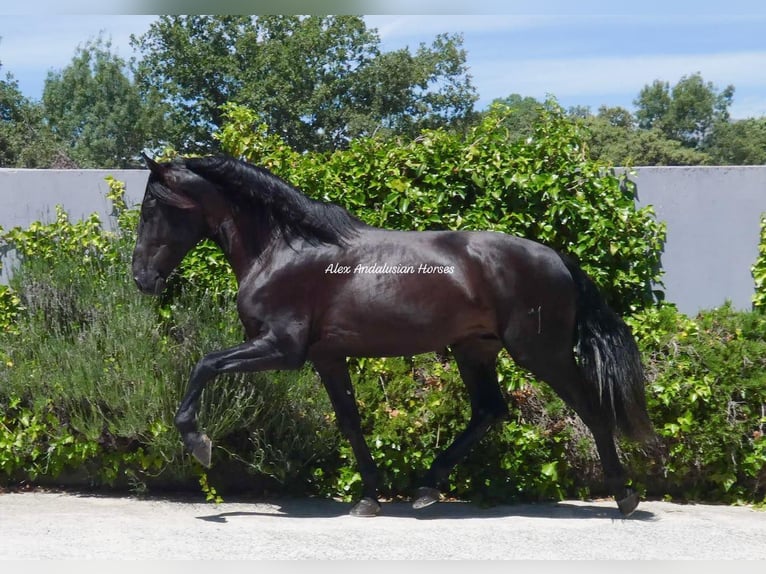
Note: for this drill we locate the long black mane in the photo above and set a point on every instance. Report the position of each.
(289, 210)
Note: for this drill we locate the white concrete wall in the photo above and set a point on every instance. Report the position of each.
(28, 195)
(712, 216)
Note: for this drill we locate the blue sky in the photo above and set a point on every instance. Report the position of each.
(582, 57)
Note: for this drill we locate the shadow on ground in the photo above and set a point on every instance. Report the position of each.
(311, 508)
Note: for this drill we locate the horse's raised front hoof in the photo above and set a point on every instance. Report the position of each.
(425, 496)
(628, 504)
(366, 507)
(201, 448)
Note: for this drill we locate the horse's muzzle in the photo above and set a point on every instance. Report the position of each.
(149, 283)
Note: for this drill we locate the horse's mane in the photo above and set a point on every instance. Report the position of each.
(292, 212)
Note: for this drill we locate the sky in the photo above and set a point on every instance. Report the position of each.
(584, 53)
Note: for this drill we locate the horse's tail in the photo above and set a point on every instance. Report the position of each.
(610, 360)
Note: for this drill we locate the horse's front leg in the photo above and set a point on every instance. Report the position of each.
(337, 382)
(262, 354)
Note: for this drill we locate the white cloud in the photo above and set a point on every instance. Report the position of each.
(406, 27)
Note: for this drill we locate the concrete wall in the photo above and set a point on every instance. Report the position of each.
(28, 195)
(712, 216)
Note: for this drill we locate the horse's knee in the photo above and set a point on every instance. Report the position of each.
(184, 420)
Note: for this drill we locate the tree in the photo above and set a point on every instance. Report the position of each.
(523, 114)
(97, 111)
(12, 105)
(614, 138)
(653, 105)
(25, 140)
(687, 113)
(741, 142)
(316, 81)
(617, 117)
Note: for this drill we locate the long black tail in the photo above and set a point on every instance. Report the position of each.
(610, 360)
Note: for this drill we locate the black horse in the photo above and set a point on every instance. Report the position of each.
(317, 284)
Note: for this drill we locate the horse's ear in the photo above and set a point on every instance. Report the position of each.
(168, 192)
(153, 166)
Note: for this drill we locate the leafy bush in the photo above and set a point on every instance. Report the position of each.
(707, 398)
(10, 306)
(758, 270)
(92, 372)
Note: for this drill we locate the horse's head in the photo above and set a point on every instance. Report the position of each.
(172, 222)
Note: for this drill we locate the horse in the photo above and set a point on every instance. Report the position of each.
(318, 285)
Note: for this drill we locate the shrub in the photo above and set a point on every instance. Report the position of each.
(707, 398)
(758, 270)
(92, 372)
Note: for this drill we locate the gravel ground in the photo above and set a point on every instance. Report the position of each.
(44, 525)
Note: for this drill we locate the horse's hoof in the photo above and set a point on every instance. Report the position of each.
(425, 496)
(628, 504)
(203, 450)
(366, 507)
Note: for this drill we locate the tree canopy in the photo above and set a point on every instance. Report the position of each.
(615, 138)
(95, 109)
(12, 110)
(316, 81)
(686, 113)
(25, 140)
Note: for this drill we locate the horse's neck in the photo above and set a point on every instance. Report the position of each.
(243, 242)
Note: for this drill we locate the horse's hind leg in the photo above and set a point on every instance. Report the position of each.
(477, 361)
(564, 376)
(337, 382)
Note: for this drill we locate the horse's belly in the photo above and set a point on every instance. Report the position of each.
(397, 334)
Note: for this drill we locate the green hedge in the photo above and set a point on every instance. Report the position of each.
(758, 270)
(707, 398)
(91, 372)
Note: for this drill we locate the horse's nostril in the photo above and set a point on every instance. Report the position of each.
(148, 282)
(159, 285)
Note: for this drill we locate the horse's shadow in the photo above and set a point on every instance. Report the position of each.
(442, 511)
